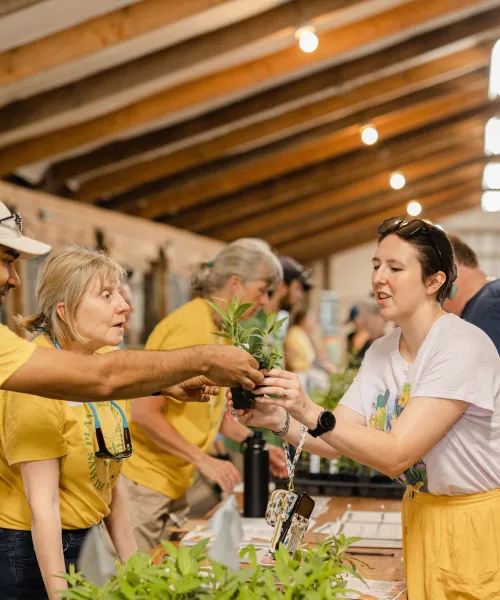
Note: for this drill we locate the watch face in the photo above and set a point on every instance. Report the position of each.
(327, 420)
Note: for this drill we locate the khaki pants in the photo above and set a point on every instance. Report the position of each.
(151, 513)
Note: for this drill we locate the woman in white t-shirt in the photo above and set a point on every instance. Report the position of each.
(425, 410)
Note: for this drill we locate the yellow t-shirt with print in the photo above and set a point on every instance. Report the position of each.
(14, 352)
(36, 428)
(190, 325)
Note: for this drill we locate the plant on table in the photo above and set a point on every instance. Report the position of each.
(188, 573)
(255, 340)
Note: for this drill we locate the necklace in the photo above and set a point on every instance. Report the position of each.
(404, 345)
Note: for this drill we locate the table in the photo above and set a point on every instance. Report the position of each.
(384, 568)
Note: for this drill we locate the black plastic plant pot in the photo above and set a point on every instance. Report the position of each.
(242, 398)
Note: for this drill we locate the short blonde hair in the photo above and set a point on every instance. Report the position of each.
(249, 258)
(65, 277)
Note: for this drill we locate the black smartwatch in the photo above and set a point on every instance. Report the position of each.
(326, 422)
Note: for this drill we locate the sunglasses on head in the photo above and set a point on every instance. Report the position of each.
(103, 451)
(17, 218)
(409, 229)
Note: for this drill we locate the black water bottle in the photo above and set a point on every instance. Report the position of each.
(256, 476)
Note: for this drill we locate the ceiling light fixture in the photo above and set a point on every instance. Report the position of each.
(491, 176)
(492, 136)
(494, 87)
(490, 201)
(397, 181)
(369, 135)
(414, 208)
(308, 40)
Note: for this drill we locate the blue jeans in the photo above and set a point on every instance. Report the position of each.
(20, 576)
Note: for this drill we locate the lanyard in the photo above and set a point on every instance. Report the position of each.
(290, 466)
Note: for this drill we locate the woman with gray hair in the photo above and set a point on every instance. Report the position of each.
(172, 440)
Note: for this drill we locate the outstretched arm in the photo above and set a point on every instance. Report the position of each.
(129, 373)
(411, 437)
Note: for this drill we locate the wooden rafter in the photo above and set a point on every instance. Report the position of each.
(365, 229)
(94, 35)
(230, 81)
(391, 119)
(11, 6)
(310, 214)
(334, 173)
(159, 69)
(465, 165)
(292, 122)
(359, 71)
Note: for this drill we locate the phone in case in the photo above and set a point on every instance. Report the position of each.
(295, 527)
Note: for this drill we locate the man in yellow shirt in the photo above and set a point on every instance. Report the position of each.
(29, 369)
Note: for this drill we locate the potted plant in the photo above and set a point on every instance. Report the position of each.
(255, 340)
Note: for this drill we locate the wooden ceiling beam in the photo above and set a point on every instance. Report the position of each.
(11, 6)
(95, 35)
(334, 140)
(435, 214)
(330, 81)
(393, 22)
(333, 173)
(352, 236)
(373, 213)
(461, 166)
(158, 70)
(313, 213)
(330, 109)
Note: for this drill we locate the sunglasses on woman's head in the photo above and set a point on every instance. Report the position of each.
(409, 229)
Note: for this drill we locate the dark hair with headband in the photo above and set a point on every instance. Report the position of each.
(434, 249)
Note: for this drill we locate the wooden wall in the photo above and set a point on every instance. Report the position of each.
(157, 253)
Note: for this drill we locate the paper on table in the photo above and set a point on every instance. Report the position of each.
(372, 589)
(377, 529)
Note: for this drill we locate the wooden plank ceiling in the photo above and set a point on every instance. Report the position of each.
(206, 115)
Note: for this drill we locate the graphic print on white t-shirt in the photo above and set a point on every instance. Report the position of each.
(385, 410)
(457, 361)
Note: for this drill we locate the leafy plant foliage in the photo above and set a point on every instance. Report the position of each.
(254, 340)
(188, 573)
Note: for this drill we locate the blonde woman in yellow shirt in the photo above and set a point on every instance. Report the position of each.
(28, 368)
(60, 461)
(172, 439)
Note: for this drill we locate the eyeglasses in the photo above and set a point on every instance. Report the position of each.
(409, 229)
(103, 451)
(18, 220)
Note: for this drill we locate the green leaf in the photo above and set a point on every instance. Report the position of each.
(188, 584)
(222, 335)
(221, 312)
(277, 325)
(242, 309)
(270, 320)
(198, 549)
(184, 560)
(170, 549)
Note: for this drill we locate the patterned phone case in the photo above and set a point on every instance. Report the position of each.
(279, 506)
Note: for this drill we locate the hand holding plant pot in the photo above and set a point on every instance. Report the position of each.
(261, 415)
(283, 389)
(252, 340)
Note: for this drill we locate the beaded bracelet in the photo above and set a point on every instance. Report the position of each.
(284, 431)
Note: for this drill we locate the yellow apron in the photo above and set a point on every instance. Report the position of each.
(451, 545)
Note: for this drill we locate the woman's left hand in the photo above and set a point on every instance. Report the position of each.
(288, 389)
